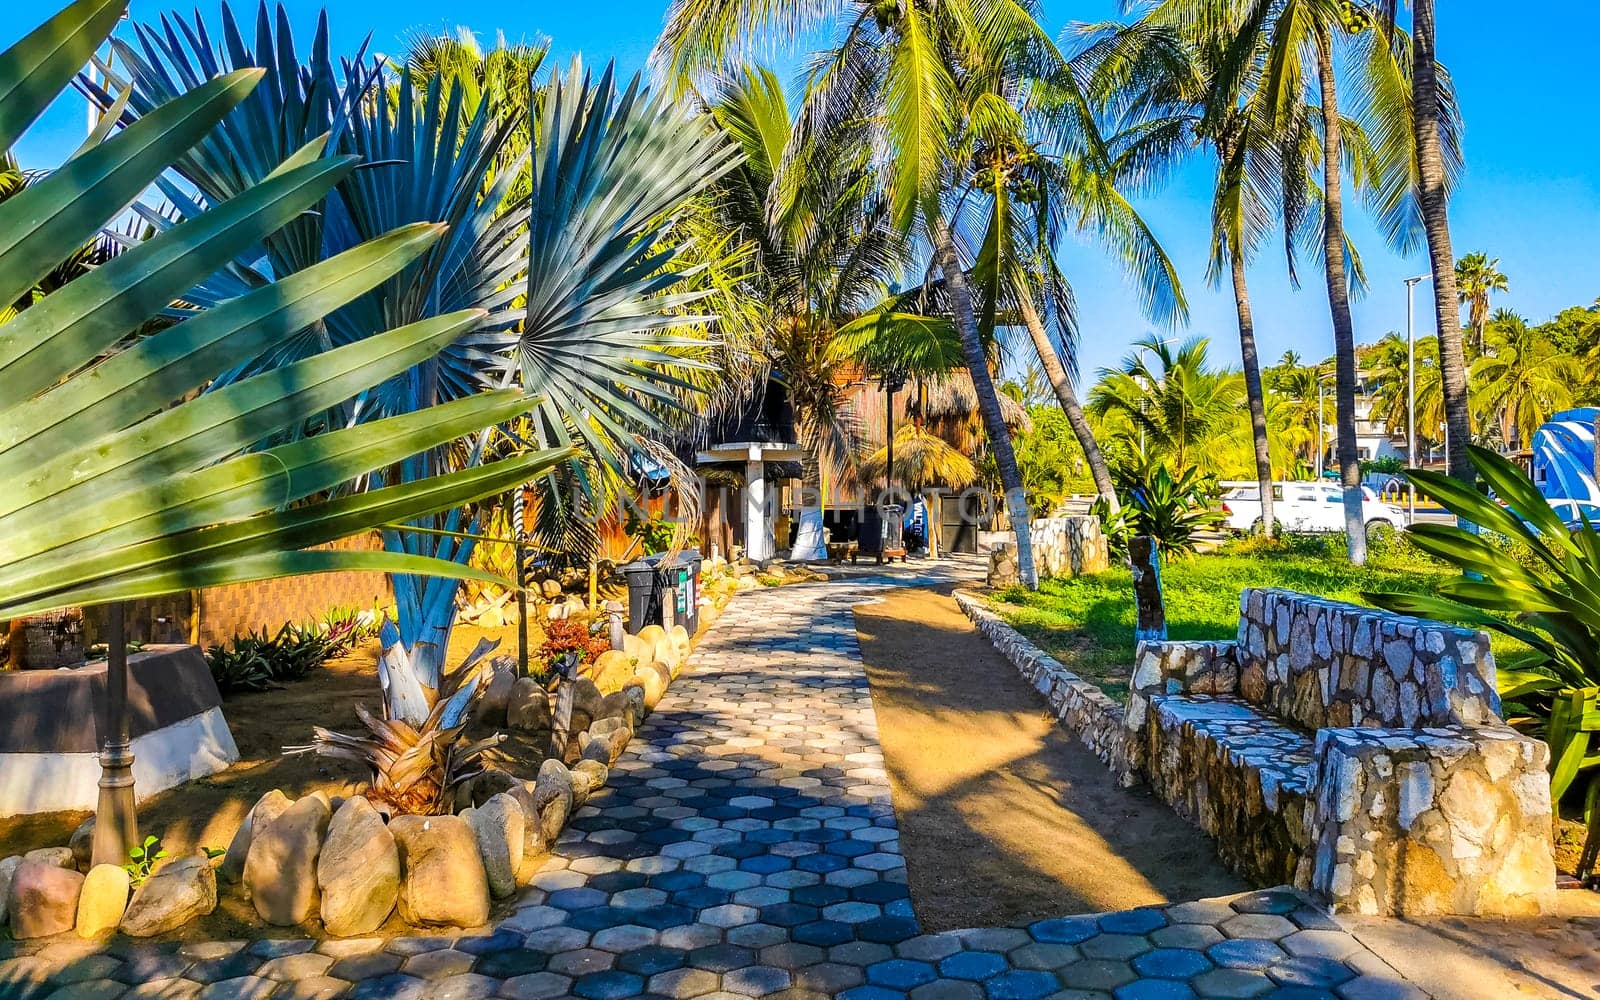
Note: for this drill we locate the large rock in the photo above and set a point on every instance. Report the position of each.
(444, 884)
(498, 826)
(59, 857)
(267, 808)
(497, 687)
(611, 670)
(607, 746)
(534, 844)
(654, 682)
(594, 773)
(281, 869)
(103, 900)
(586, 703)
(633, 691)
(180, 890)
(552, 798)
(82, 845)
(8, 868)
(358, 870)
(551, 589)
(528, 707)
(43, 899)
(615, 705)
(637, 649)
(488, 783)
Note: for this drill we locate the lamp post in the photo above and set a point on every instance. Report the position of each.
(116, 819)
(1411, 387)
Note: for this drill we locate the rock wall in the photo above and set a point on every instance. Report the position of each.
(1062, 547)
(1325, 664)
(1441, 821)
(1080, 707)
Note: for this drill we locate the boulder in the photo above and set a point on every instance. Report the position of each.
(82, 844)
(633, 691)
(180, 890)
(558, 612)
(650, 635)
(498, 684)
(358, 870)
(680, 642)
(611, 670)
(280, 871)
(596, 773)
(607, 747)
(586, 702)
(552, 799)
(57, 857)
(267, 808)
(653, 682)
(528, 708)
(580, 786)
(498, 825)
(43, 899)
(103, 900)
(534, 845)
(636, 648)
(443, 882)
(8, 868)
(551, 589)
(613, 706)
(491, 781)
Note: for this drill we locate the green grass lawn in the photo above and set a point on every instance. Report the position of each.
(1087, 623)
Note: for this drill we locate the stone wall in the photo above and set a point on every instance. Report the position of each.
(1323, 664)
(1062, 547)
(1080, 707)
(1357, 752)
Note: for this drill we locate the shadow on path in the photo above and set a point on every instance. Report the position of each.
(1005, 818)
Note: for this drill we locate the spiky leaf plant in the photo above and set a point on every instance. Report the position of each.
(114, 493)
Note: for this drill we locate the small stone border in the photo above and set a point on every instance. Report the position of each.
(1080, 707)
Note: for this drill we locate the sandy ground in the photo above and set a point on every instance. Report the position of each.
(206, 813)
(1004, 818)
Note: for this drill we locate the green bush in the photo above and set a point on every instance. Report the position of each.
(258, 660)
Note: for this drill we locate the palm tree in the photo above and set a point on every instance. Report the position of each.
(912, 73)
(1437, 157)
(1179, 408)
(1301, 406)
(1477, 278)
(1521, 378)
(1174, 76)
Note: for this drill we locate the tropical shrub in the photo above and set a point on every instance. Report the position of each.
(570, 637)
(1171, 510)
(258, 659)
(112, 491)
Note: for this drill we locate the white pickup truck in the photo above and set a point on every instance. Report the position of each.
(1306, 507)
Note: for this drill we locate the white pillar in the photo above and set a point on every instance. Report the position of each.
(757, 526)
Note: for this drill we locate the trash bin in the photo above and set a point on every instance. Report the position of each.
(652, 579)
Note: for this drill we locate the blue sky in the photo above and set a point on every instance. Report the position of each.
(1531, 195)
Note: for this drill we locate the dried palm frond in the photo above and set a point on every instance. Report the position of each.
(921, 459)
(417, 769)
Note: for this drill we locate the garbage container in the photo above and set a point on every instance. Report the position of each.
(652, 579)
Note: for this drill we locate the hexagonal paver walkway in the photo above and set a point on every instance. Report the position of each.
(747, 847)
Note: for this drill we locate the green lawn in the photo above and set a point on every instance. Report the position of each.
(1087, 623)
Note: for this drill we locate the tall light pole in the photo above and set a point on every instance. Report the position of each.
(1411, 386)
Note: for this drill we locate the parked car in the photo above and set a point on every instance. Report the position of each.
(1306, 507)
(1571, 512)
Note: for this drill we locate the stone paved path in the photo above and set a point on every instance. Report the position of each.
(747, 847)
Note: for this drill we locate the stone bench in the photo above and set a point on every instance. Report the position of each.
(1355, 753)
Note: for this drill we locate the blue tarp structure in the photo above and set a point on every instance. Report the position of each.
(1563, 455)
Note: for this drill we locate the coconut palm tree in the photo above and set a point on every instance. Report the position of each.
(1179, 407)
(1521, 378)
(1302, 408)
(911, 74)
(1477, 278)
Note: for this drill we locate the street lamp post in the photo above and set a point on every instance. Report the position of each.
(1411, 386)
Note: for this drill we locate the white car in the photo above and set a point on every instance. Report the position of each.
(1306, 507)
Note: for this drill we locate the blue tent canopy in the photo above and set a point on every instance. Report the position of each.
(1563, 455)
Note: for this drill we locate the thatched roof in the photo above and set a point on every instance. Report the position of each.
(921, 459)
(954, 398)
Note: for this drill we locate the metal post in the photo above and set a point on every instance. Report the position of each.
(116, 824)
(519, 534)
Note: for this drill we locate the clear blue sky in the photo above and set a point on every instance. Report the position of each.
(1531, 195)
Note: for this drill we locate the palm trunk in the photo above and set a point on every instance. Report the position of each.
(1435, 205)
(1252, 387)
(1005, 458)
(1056, 372)
(1344, 341)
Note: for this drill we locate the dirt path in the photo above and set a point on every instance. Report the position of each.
(1004, 818)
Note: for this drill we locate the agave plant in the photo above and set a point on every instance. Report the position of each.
(1171, 509)
(1549, 600)
(113, 493)
(416, 770)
